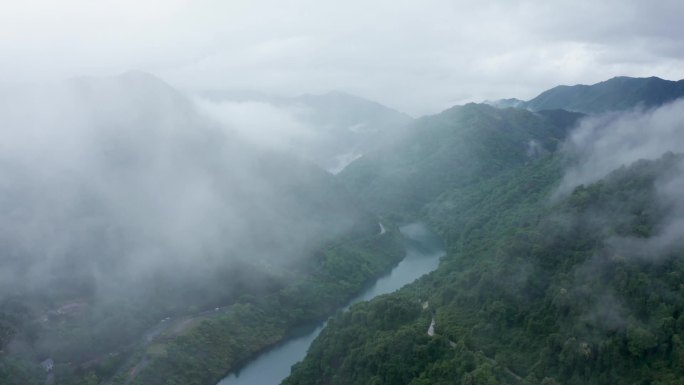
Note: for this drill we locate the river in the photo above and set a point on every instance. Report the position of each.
(423, 251)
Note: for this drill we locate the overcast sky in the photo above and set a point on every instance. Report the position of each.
(416, 56)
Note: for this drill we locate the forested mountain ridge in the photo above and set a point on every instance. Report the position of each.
(133, 216)
(190, 250)
(539, 286)
(330, 129)
(618, 93)
(528, 296)
(454, 148)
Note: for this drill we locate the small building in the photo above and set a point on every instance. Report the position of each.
(48, 364)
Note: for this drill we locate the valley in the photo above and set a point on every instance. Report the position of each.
(559, 264)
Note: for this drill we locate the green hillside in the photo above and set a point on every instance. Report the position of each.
(455, 148)
(532, 291)
(619, 93)
(159, 219)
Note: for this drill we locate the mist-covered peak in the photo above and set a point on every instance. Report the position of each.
(329, 129)
(506, 103)
(123, 179)
(128, 78)
(342, 100)
(138, 85)
(453, 148)
(618, 93)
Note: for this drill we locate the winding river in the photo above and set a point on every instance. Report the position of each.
(423, 251)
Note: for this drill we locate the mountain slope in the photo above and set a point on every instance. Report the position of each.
(333, 128)
(585, 289)
(528, 295)
(449, 150)
(122, 206)
(619, 93)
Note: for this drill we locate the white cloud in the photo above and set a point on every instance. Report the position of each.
(604, 143)
(417, 56)
(263, 124)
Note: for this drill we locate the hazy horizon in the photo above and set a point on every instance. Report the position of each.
(416, 57)
(185, 185)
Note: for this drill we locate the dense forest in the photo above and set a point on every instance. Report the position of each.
(547, 279)
(538, 287)
(262, 192)
(190, 231)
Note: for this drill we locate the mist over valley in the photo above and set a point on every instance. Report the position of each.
(307, 193)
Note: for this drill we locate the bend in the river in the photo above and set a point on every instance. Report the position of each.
(423, 251)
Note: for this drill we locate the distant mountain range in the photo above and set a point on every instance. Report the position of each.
(537, 287)
(618, 93)
(343, 126)
(452, 148)
(124, 201)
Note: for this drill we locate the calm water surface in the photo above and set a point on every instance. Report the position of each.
(423, 250)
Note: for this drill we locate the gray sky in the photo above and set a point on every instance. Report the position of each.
(416, 56)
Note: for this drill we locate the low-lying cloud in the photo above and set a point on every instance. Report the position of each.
(602, 144)
(112, 182)
(263, 124)
(330, 130)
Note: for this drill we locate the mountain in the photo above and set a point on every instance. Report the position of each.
(144, 242)
(123, 205)
(527, 295)
(618, 93)
(506, 103)
(538, 286)
(334, 128)
(452, 149)
(143, 164)
(348, 127)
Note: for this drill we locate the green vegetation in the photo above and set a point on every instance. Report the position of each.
(456, 148)
(220, 342)
(533, 291)
(91, 326)
(619, 93)
(15, 371)
(209, 351)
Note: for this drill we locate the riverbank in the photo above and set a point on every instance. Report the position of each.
(207, 351)
(423, 252)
